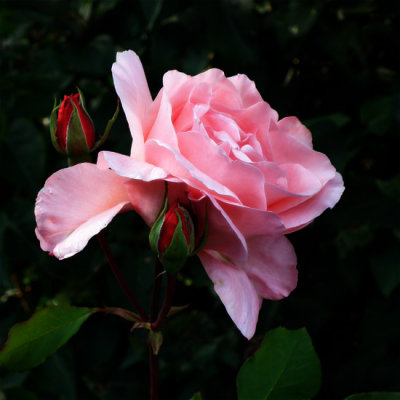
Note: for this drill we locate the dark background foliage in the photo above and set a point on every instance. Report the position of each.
(333, 63)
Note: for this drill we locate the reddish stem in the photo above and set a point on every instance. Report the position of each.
(117, 273)
(153, 374)
(155, 297)
(169, 296)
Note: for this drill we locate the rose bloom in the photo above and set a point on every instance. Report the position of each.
(225, 154)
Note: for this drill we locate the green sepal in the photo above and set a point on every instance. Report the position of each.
(157, 224)
(76, 143)
(82, 100)
(174, 258)
(120, 312)
(155, 340)
(176, 310)
(53, 126)
(109, 125)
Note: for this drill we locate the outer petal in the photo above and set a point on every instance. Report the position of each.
(293, 127)
(223, 235)
(75, 204)
(235, 290)
(271, 266)
(287, 149)
(145, 187)
(247, 90)
(253, 222)
(297, 217)
(131, 86)
(146, 198)
(129, 167)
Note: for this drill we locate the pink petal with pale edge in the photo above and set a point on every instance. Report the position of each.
(172, 162)
(293, 127)
(146, 186)
(247, 90)
(300, 180)
(271, 266)
(131, 86)
(253, 222)
(162, 128)
(286, 149)
(223, 235)
(235, 290)
(146, 198)
(299, 216)
(75, 204)
(246, 181)
(178, 86)
(128, 167)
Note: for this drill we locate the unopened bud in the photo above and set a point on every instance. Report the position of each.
(71, 128)
(172, 237)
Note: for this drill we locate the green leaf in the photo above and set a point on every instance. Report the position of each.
(156, 341)
(375, 396)
(285, 367)
(31, 342)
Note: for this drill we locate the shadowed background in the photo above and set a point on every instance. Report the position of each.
(333, 63)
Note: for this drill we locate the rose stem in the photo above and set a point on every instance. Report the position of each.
(155, 296)
(169, 295)
(117, 273)
(153, 373)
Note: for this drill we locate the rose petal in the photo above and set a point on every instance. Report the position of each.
(253, 222)
(75, 204)
(162, 128)
(285, 149)
(129, 167)
(210, 76)
(246, 181)
(300, 180)
(223, 235)
(271, 266)
(178, 86)
(225, 93)
(247, 90)
(131, 86)
(297, 217)
(172, 162)
(235, 290)
(146, 198)
(293, 127)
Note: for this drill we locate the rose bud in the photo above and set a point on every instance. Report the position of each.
(72, 130)
(172, 237)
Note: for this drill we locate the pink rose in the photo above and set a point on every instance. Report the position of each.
(222, 150)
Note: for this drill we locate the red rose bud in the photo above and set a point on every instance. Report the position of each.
(172, 237)
(72, 129)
